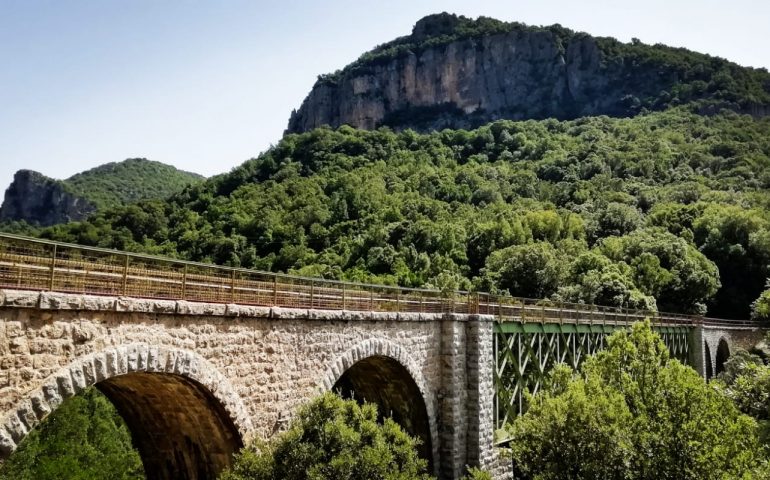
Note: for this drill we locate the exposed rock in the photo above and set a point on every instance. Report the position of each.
(40, 200)
(516, 72)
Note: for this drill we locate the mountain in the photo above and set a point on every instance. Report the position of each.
(666, 209)
(39, 200)
(455, 72)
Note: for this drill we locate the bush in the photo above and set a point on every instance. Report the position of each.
(633, 413)
(333, 439)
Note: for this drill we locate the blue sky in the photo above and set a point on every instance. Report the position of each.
(205, 85)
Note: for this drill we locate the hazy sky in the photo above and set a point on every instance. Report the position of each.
(205, 85)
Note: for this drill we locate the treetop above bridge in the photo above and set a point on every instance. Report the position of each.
(42, 265)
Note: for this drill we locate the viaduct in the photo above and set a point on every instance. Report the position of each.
(200, 359)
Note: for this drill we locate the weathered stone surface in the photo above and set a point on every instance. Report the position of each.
(60, 301)
(37, 199)
(193, 308)
(21, 298)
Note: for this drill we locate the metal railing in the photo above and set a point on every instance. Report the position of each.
(36, 264)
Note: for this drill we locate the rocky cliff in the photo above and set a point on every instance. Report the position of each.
(453, 72)
(40, 200)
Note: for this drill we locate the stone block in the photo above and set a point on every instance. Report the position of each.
(97, 303)
(60, 301)
(7, 445)
(289, 313)
(21, 299)
(249, 311)
(198, 308)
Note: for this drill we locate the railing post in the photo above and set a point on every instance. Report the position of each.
(184, 283)
(125, 276)
(422, 295)
(398, 300)
(371, 299)
(232, 286)
(275, 290)
(312, 287)
(344, 300)
(53, 268)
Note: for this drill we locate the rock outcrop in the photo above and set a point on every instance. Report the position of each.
(37, 199)
(521, 72)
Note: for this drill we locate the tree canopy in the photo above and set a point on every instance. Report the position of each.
(665, 210)
(333, 439)
(631, 412)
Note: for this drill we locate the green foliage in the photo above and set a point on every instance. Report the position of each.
(655, 211)
(83, 439)
(476, 474)
(760, 308)
(333, 439)
(131, 180)
(634, 413)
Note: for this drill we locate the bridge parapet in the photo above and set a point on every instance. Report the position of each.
(40, 265)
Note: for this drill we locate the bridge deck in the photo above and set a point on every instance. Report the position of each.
(35, 264)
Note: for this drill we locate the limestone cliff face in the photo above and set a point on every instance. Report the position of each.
(523, 73)
(40, 200)
(515, 75)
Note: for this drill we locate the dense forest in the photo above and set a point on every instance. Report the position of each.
(666, 210)
(134, 179)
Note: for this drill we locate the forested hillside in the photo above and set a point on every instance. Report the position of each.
(123, 182)
(666, 210)
(35, 199)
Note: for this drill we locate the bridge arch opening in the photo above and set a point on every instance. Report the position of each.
(707, 361)
(180, 430)
(723, 353)
(386, 382)
(181, 413)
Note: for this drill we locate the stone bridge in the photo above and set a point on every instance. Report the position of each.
(200, 359)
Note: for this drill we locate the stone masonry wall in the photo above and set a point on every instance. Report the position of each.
(273, 359)
(735, 337)
(259, 363)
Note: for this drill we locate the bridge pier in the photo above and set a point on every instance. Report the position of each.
(713, 345)
(466, 420)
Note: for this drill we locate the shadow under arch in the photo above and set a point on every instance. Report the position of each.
(723, 353)
(380, 372)
(184, 417)
(707, 360)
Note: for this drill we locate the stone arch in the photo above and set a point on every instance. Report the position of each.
(707, 360)
(185, 417)
(384, 360)
(723, 353)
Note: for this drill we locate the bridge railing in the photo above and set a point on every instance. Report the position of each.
(37, 264)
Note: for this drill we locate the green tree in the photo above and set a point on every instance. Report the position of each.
(83, 439)
(532, 270)
(333, 439)
(634, 413)
(760, 308)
